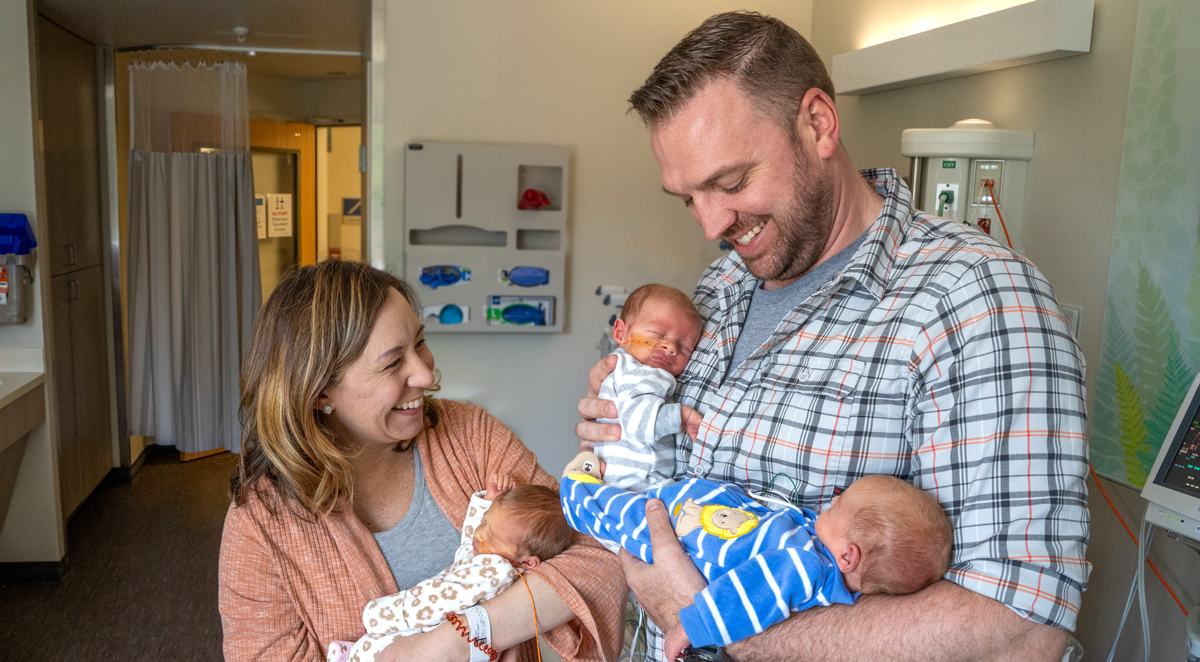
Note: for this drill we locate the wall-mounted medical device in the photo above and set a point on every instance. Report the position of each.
(972, 173)
(500, 210)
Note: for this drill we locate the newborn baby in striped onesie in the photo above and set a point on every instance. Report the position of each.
(881, 535)
(656, 333)
(508, 527)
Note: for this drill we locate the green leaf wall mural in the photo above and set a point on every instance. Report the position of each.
(1150, 350)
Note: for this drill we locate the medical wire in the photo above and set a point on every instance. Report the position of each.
(992, 193)
(1138, 587)
(636, 631)
(1135, 540)
(536, 633)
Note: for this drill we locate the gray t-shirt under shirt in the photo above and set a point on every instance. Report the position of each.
(424, 542)
(768, 307)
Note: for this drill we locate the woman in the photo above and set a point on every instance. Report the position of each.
(353, 483)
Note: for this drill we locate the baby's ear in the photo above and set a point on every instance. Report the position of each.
(849, 560)
(619, 331)
(529, 562)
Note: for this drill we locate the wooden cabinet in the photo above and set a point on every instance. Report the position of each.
(70, 139)
(81, 384)
(71, 243)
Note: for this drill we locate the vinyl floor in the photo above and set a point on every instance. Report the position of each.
(141, 580)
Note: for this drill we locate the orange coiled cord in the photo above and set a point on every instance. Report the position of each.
(1135, 540)
(466, 632)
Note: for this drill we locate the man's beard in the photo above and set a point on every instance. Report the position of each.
(802, 230)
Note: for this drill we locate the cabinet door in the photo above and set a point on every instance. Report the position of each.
(67, 109)
(89, 354)
(70, 481)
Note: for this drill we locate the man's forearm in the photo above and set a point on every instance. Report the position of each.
(944, 622)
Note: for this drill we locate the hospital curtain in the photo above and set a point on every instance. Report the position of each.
(193, 278)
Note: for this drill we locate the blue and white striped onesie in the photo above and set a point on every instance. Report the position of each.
(638, 462)
(766, 566)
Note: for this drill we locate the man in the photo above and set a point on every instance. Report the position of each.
(850, 334)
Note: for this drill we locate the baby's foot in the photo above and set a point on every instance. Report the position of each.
(498, 484)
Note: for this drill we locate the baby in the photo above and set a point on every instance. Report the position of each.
(508, 527)
(656, 333)
(881, 535)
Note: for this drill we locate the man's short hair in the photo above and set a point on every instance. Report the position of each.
(768, 60)
(639, 297)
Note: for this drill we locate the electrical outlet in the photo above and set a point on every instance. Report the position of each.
(984, 172)
(1074, 317)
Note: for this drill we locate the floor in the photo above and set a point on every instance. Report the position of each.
(141, 582)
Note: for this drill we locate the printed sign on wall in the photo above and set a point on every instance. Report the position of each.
(279, 215)
(260, 215)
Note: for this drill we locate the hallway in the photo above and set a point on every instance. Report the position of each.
(141, 582)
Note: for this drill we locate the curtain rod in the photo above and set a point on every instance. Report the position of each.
(238, 49)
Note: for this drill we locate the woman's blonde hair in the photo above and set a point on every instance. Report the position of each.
(314, 325)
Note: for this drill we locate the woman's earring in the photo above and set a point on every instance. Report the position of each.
(327, 409)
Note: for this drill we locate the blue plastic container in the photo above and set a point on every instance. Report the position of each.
(16, 237)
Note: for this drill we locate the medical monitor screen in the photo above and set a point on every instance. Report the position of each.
(1183, 473)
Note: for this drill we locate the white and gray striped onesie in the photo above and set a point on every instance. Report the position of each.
(645, 455)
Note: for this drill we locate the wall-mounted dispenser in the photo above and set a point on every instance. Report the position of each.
(18, 254)
(486, 229)
(972, 173)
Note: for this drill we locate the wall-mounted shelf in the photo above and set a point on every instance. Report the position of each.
(462, 209)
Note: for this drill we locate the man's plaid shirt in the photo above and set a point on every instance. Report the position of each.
(937, 356)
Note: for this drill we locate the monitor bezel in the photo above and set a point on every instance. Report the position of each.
(1155, 491)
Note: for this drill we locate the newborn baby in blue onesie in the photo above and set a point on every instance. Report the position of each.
(881, 535)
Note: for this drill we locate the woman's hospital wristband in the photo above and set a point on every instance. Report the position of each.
(480, 638)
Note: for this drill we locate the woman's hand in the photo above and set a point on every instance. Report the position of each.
(441, 644)
(590, 408)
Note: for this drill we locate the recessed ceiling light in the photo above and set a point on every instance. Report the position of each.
(251, 53)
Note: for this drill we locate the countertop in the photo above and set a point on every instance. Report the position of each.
(15, 384)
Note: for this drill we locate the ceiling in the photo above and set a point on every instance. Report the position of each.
(303, 24)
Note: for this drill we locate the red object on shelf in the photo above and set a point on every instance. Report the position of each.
(533, 199)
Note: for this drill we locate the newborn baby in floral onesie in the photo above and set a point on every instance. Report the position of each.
(508, 527)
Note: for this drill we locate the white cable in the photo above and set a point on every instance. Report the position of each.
(1128, 604)
(1138, 587)
(1144, 548)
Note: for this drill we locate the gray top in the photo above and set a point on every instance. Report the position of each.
(423, 543)
(768, 307)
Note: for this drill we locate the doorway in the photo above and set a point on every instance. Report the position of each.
(285, 185)
(339, 193)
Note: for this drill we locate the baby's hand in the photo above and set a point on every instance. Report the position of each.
(691, 421)
(498, 484)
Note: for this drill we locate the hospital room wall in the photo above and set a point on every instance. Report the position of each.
(549, 73)
(1076, 107)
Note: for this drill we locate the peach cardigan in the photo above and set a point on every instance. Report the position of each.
(289, 586)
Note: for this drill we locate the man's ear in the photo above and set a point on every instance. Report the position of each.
(818, 121)
(529, 563)
(620, 331)
(849, 559)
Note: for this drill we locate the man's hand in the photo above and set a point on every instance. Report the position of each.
(590, 408)
(672, 581)
(675, 641)
(691, 421)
